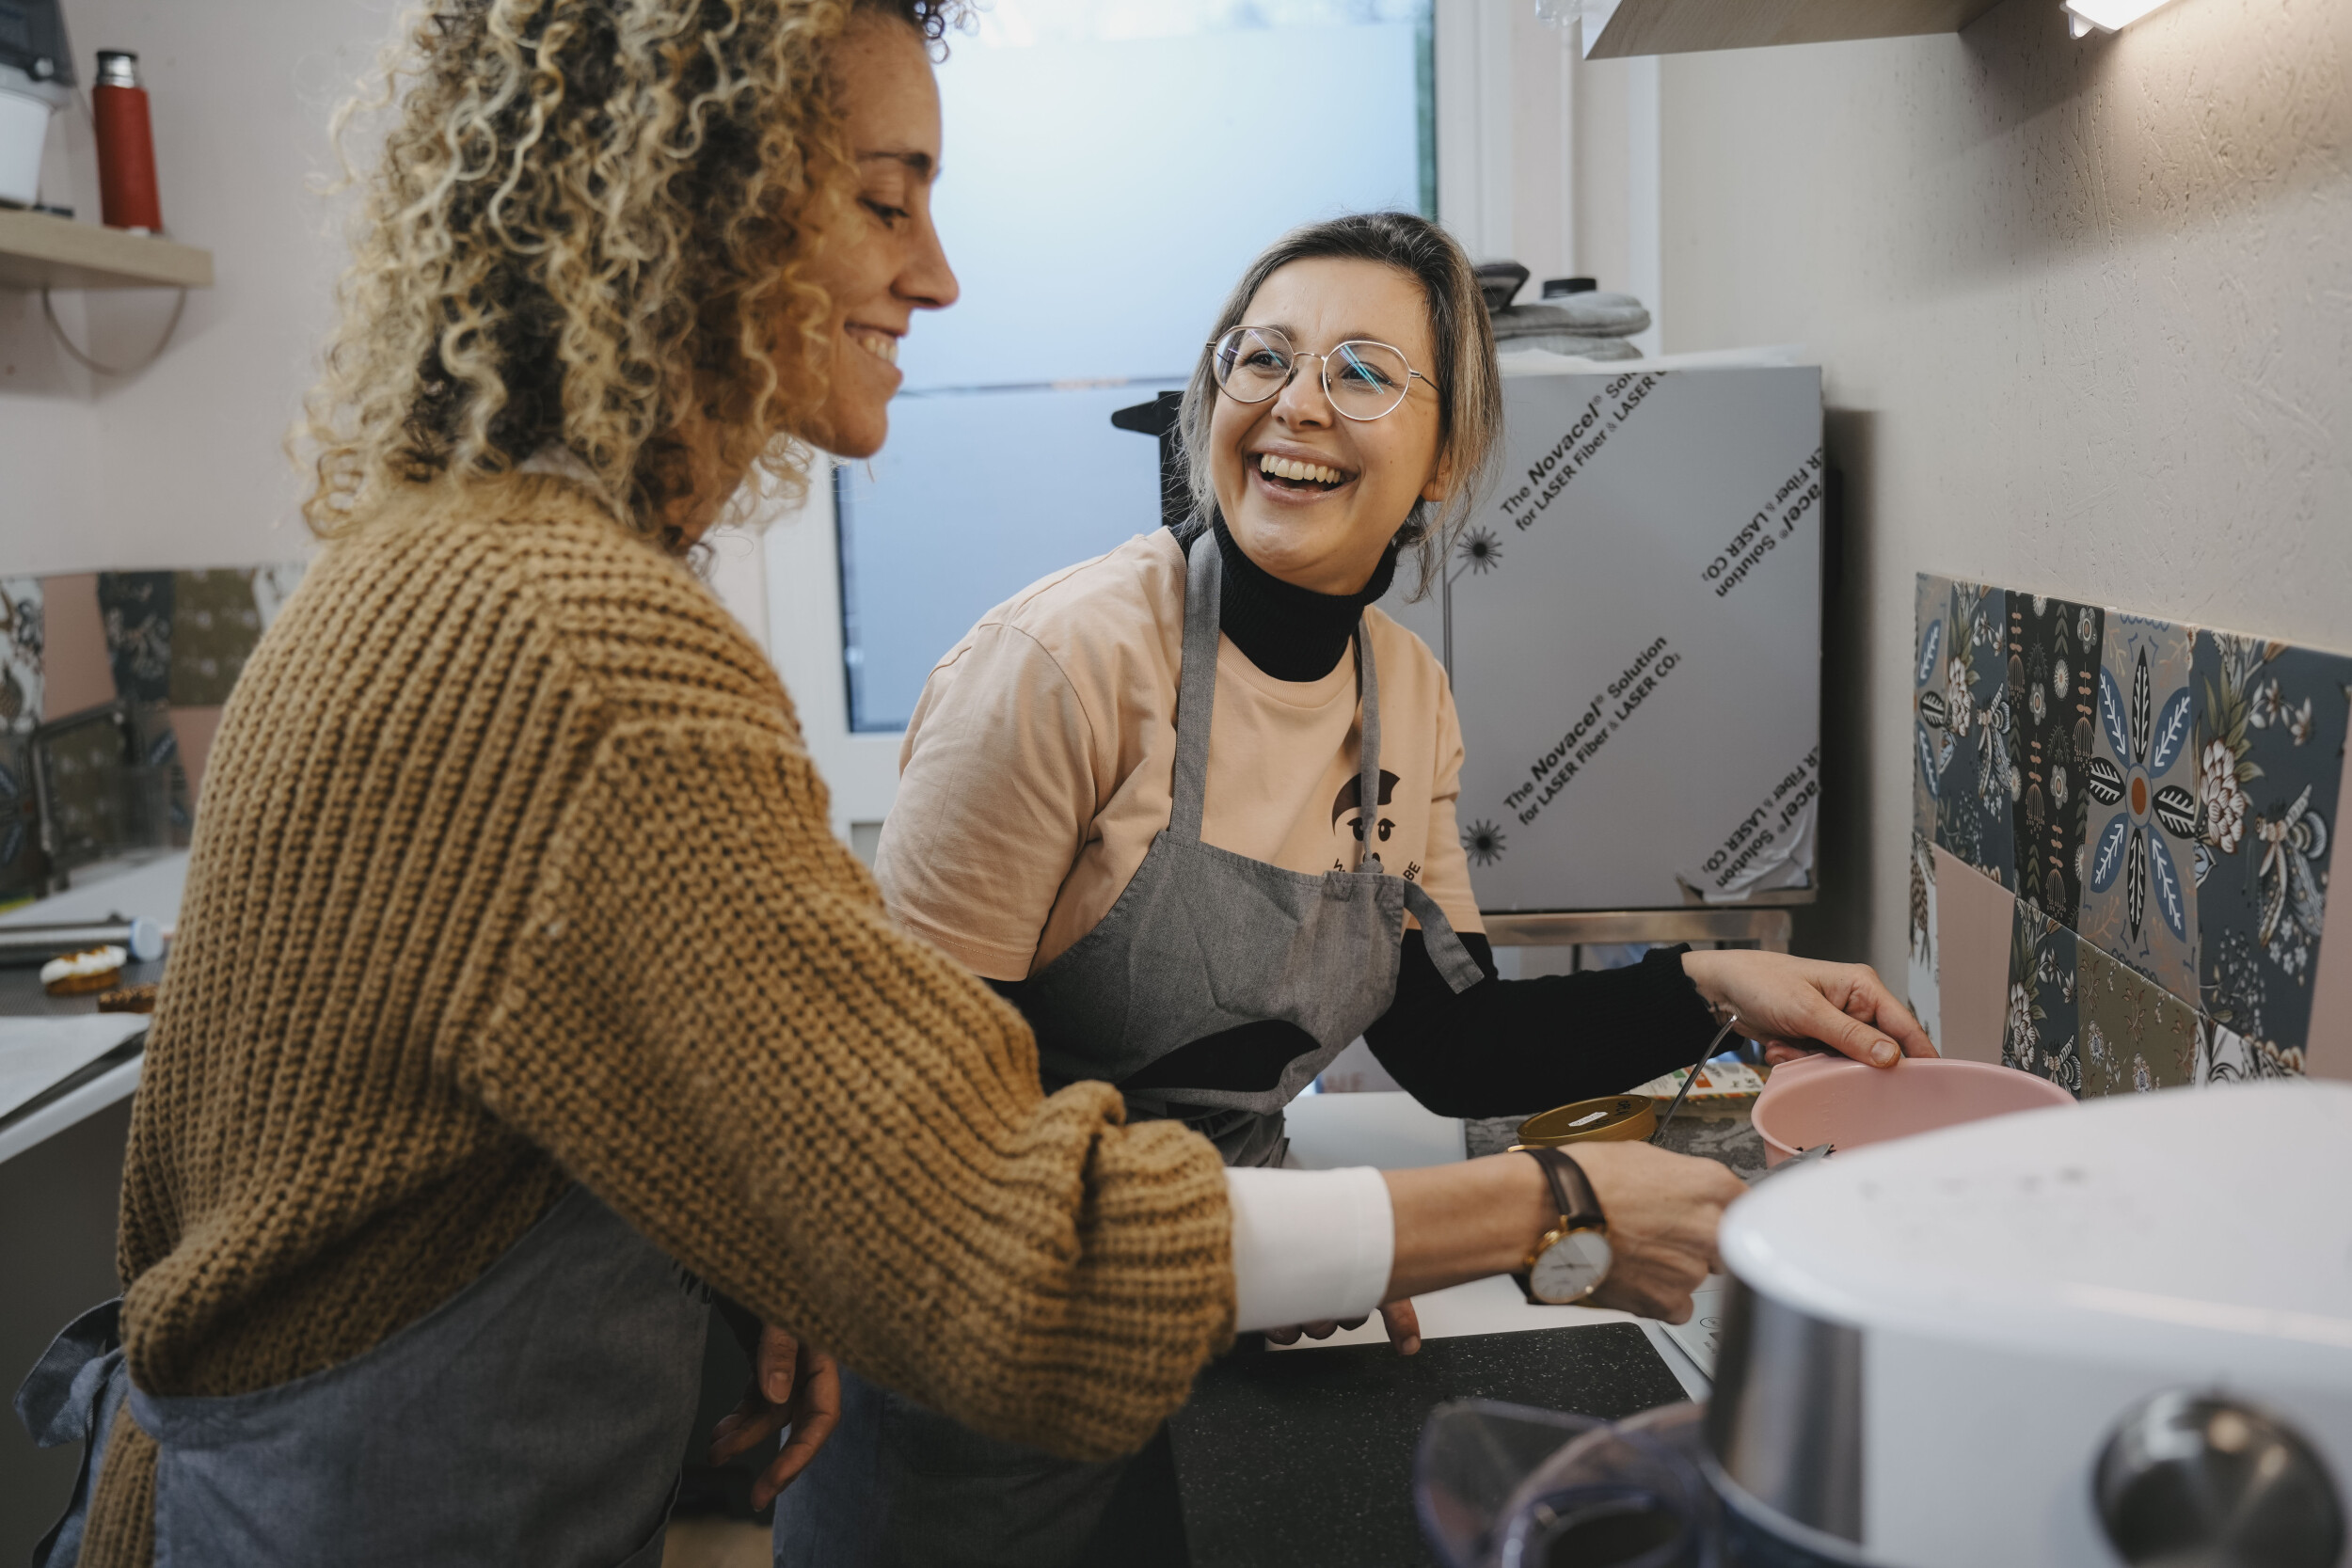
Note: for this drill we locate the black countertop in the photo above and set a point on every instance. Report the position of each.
(1304, 1459)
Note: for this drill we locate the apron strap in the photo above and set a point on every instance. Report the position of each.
(74, 1394)
(1368, 779)
(1445, 949)
(1196, 689)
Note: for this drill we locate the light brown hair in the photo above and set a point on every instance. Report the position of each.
(1465, 377)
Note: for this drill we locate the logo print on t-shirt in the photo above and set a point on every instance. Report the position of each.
(1348, 805)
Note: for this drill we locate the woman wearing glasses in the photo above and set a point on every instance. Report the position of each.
(1190, 806)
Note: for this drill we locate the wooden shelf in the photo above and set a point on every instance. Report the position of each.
(41, 250)
(1684, 26)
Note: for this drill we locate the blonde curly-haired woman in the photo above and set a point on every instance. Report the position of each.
(522, 998)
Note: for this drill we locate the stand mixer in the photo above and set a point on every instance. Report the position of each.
(2120, 1333)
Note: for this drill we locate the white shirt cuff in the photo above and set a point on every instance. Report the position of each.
(1309, 1245)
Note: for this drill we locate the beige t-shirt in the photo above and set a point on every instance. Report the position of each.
(1036, 769)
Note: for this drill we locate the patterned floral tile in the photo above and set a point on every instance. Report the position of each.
(170, 644)
(20, 655)
(1920, 964)
(2225, 1056)
(1975, 920)
(1930, 739)
(1965, 753)
(2267, 743)
(2163, 800)
(2040, 1026)
(20, 864)
(82, 764)
(2327, 1048)
(2053, 661)
(215, 623)
(2136, 1034)
(137, 608)
(2140, 898)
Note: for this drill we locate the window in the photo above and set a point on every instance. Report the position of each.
(1110, 166)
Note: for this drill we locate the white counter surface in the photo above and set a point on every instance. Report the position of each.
(46, 1040)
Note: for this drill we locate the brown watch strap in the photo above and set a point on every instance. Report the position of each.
(1571, 1194)
(1571, 1190)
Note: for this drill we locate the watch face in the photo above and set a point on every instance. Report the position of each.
(1571, 1268)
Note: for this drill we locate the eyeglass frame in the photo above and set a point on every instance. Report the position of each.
(1323, 376)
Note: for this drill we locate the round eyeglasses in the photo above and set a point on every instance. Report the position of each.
(1363, 379)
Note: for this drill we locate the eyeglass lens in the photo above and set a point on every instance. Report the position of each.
(1363, 379)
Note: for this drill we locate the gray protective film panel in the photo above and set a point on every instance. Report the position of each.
(1635, 641)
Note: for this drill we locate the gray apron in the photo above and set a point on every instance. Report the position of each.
(1202, 941)
(538, 1415)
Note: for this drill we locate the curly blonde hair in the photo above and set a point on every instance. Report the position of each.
(589, 222)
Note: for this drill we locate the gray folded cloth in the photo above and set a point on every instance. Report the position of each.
(1569, 342)
(1590, 315)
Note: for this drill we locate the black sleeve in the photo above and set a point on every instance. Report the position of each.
(1515, 1047)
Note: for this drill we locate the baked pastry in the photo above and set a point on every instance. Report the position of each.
(79, 974)
(130, 999)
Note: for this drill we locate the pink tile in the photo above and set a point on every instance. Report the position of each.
(1975, 918)
(1919, 961)
(193, 728)
(76, 673)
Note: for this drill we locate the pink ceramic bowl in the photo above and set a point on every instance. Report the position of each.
(1833, 1099)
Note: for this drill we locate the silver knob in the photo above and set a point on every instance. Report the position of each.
(2199, 1480)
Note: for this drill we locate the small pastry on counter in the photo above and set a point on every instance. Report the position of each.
(79, 974)
(130, 999)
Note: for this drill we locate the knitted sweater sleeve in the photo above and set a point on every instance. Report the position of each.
(709, 1019)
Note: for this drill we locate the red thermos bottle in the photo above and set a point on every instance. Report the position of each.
(126, 146)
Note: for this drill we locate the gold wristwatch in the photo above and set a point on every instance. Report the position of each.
(1572, 1258)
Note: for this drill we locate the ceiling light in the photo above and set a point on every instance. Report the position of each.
(2106, 15)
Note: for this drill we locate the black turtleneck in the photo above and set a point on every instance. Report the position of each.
(1291, 633)
(1500, 1048)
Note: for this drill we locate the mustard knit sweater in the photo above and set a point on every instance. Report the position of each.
(513, 872)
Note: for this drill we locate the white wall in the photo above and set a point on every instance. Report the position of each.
(2085, 309)
(182, 465)
(1546, 158)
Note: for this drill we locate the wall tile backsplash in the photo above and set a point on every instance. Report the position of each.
(168, 646)
(2153, 806)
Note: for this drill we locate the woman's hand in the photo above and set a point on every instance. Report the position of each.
(1663, 1210)
(1398, 1317)
(1792, 1004)
(1483, 1216)
(793, 1384)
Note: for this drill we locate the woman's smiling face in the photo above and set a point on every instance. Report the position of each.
(1328, 534)
(885, 263)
